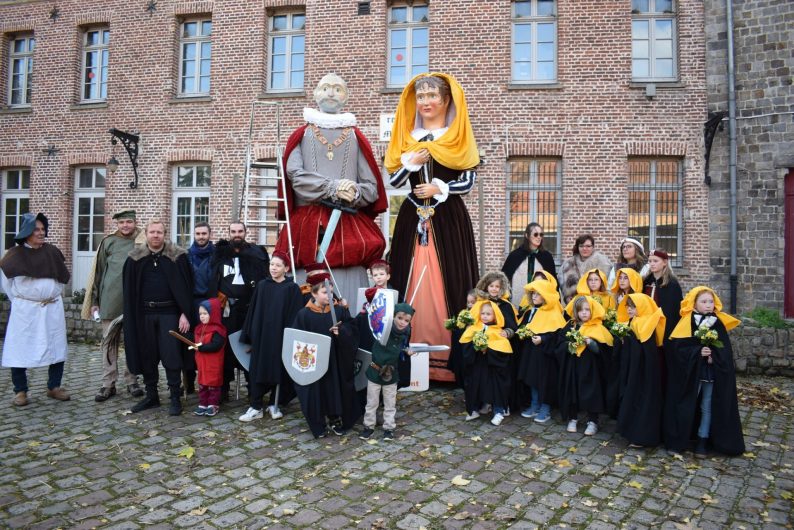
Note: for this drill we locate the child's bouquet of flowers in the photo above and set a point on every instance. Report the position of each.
(619, 330)
(480, 341)
(575, 340)
(462, 321)
(524, 332)
(451, 323)
(610, 318)
(708, 337)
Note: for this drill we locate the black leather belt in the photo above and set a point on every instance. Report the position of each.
(155, 305)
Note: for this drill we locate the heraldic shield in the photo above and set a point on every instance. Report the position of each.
(360, 365)
(305, 355)
(380, 313)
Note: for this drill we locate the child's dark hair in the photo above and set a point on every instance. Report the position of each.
(630, 302)
(577, 306)
(317, 286)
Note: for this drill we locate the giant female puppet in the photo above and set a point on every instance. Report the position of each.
(334, 191)
(433, 147)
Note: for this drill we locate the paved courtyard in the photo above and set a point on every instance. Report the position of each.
(82, 464)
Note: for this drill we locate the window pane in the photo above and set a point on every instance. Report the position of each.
(203, 176)
(639, 29)
(189, 51)
(296, 79)
(420, 14)
(183, 206)
(523, 52)
(667, 172)
(86, 177)
(12, 180)
(279, 63)
(639, 6)
(664, 68)
(190, 29)
(522, 33)
(84, 206)
(398, 38)
(19, 46)
(639, 68)
(277, 80)
(523, 9)
(545, 8)
(419, 37)
(297, 62)
(297, 44)
(639, 172)
(106, 36)
(519, 172)
(664, 6)
(204, 84)
(663, 49)
(205, 67)
(545, 32)
(298, 21)
(206, 50)
(91, 38)
(399, 14)
(184, 177)
(547, 173)
(11, 212)
(545, 51)
(280, 22)
(206, 27)
(100, 177)
(82, 243)
(397, 75)
(420, 59)
(202, 209)
(397, 56)
(279, 45)
(31, 44)
(663, 29)
(639, 49)
(545, 71)
(25, 179)
(522, 71)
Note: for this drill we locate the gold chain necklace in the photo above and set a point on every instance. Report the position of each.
(331, 146)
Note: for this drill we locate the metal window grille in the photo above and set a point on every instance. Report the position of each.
(534, 194)
(656, 202)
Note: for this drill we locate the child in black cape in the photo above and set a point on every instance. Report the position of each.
(487, 362)
(640, 413)
(580, 370)
(702, 380)
(538, 367)
(455, 362)
(274, 304)
(332, 399)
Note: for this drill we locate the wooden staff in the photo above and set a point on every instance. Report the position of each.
(184, 339)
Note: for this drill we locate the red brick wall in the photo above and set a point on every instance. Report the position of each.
(595, 116)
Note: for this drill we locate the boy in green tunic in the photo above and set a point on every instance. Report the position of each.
(382, 374)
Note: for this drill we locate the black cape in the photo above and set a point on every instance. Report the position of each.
(487, 378)
(273, 307)
(682, 405)
(669, 299)
(334, 395)
(580, 388)
(519, 255)
(254, 266)
(455, 362)
(538, 366)
(640, 414)
(179, 273)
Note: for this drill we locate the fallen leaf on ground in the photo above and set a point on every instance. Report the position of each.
(635, 467)
(187, 452)
(198, 511)
(345, 481)
(563, 462)
(759, 443)
(144, 466)
(635, 484)
(589, 503)
(536, 448)
(460, 516)
(572, 449)
(460, 481)
(707, 499)
(476, 438)
(749, 455)
(287, 511)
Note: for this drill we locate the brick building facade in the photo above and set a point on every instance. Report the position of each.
(589, 114)
(764, 66)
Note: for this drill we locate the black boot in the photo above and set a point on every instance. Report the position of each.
(175, 409)
(151, 400)
(700, 450)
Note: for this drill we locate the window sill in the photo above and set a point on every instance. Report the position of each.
(391, 90)
(534, 86)
(16, 110)
(278, 95)
(89, 105)
(659, 84)
(190, 99)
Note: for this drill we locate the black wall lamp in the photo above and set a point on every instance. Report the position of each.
(130, 143)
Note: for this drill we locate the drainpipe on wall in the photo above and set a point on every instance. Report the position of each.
(732, 143)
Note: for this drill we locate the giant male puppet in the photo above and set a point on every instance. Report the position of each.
(334, 191)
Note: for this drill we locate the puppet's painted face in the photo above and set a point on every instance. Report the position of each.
(594, 282)
(331, 94)
(431, 105)
(204, 316)
(704, 303)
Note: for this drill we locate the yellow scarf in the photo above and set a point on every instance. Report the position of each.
(635, 281)
(604, 298)
(684, 327)
(649, 318)
(455, 149)
(495, 340)
(593, 328)
(548, 317)
(525, 302)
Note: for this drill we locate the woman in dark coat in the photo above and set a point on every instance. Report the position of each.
(662, 285)
(522, 263)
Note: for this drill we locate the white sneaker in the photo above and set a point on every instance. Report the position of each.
(572, 426)
(592, 428)
(251, 414)
(485, 409)
(274, 412)
(507, 412)
(473, 416)
(497, 419)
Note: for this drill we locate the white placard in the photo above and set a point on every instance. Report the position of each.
(386, 122)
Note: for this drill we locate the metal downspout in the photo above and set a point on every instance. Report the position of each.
(732, 145)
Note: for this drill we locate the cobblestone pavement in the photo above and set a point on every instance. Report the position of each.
(82, 464)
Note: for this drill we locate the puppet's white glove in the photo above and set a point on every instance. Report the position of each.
(346, 190)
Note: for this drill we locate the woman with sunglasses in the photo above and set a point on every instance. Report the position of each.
(522, 263)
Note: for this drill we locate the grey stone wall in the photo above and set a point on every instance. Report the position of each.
(77, 329)
(763, 33)
(763, 350)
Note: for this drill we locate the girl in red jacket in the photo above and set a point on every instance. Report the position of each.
(210, 335)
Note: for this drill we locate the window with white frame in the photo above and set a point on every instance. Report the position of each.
(656, 201)
(20, 70)
(408, 43)
(191, 200)
(534, 41)
(16, 201)
(653, 40)
(286, 53)
(195, 57)
(534, 194)
(89, 208)
(95, 64)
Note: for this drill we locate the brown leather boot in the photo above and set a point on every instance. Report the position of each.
(59, 393)
(21, 399)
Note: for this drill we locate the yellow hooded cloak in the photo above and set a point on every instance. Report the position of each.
(495, 340)
(684, 327)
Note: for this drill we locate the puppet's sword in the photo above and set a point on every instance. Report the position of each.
(336, 212)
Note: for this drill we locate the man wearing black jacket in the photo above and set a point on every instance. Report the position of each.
(237, 266)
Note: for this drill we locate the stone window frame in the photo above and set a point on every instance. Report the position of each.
(290, 33)
(641, 182)
(194, 192)
(410, 26)
(652, 12)
(533, 19)
(516, 222)
(18, 193)
(94, 189)
(27, 55)
(102, 50)
(198, 40)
